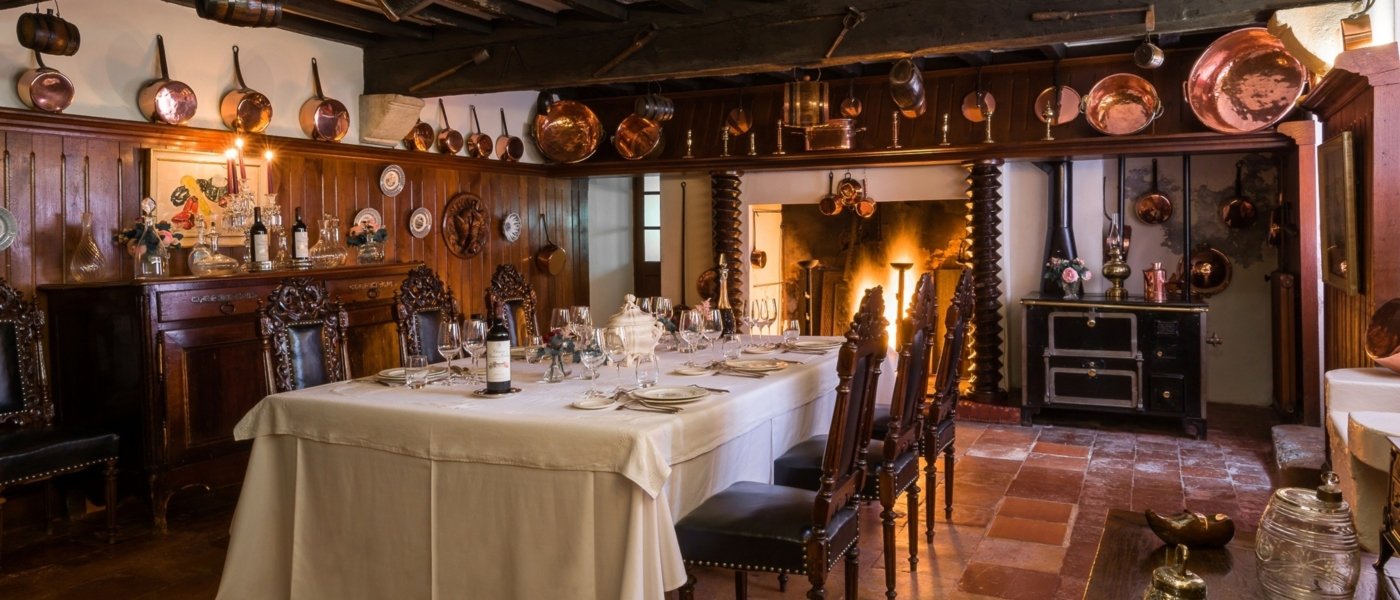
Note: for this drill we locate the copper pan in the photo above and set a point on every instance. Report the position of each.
(449, 140)
(165, 100)
(508, 147)
(419, 138)
(1238, 212)
(244, 110)
(324, 119)
(45, 89)
(1245, 81)
(1153, 207)
(1383, 335)
(478, 143)
(1211, 271)
(568, 133)
(636, 137)
(1121, 104)
(830, 204)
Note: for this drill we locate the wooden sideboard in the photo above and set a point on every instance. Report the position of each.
(173, 364)
(1129, 356)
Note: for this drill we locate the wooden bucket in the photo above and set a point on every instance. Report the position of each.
(243, 13)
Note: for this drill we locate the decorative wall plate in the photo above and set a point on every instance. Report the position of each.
(510, 227)
(370, 217)
(420, 222)
(9, 229)
(464, 225)
(391, 180)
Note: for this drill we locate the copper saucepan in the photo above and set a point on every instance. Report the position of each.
(419, 138)
(830, 204)
(1121, 104)
(42, 88)
(568, 133)
(244, 109)
(1245, 81)
(636, 137)
(324, 119)
(449, 140)
(551, 257)
(165, 100)
(508, 147)
(478, 143)
(1153, 207)
(1238, 212)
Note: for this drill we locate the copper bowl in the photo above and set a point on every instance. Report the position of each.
(568, 133)
(1121, 104)
(637, 137)
(1383, 336)
(1244, 82)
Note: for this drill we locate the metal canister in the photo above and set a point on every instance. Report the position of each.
(1173, 581)
(1154, 283)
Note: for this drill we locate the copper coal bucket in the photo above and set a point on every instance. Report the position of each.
(1244, 82)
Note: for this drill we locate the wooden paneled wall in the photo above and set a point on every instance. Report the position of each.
(1346, 315)
(56, 167)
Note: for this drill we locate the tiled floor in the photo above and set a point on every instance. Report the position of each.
(1029, 507)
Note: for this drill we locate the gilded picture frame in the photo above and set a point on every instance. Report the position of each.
(185, 185)
(1337, 214)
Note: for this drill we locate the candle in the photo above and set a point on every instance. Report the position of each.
(267, 157)
(232, 174)
(242, 170)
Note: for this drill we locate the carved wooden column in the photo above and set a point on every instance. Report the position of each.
(983, 233)
(727, 223)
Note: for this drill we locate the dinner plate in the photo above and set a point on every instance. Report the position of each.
(670, 395)
(593, 403)
(814, 344)
(760, 349)
(756, 364)
(9, 230)
(397, 374)
(693, 371)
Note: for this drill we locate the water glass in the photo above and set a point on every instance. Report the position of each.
(559, 320)
(648, 370)
(415, 371)
(689, 329)
(731, 347)
(532, 351)
(613, 341)
(791, 329)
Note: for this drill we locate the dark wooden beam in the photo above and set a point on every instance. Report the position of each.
(438, 15)
(311, 27)
(1053, 51)
(399, 9)
(751, 37)
(607, 10)
(975, 59)
(8, 4)
(510, 10)
(353, 18)
(684, 6)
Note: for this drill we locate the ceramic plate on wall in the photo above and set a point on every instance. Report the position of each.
(9, 230)
(391, 180)
(510, 227)
(420, 222)
(370, 215)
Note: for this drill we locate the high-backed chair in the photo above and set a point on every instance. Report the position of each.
(303, 335)
(420, 305)
(895, 456)
(939, 425)
(763, 527)
(32, 449)
(510, 294)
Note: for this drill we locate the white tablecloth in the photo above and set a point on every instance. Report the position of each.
(356, 490)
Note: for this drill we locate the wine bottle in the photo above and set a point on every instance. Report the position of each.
(301, 240)
(258, 232)
(726, 312)
(498, 358)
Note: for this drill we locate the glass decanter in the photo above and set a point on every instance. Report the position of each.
(329, 251)
(87, 260)
(205, 259)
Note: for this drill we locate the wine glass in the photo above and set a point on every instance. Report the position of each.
(750, 320)
(791, 329)
(592, 355)
(582, 320)
(661, 307)
(449, 340)
(644, 303)
(689, 330)
(559, 320)
(711, 326)
(770, 314)
(474, 343)
(613, 340)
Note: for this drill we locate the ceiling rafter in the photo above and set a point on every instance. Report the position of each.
(518, 12)
(353, 18)
(607, 10)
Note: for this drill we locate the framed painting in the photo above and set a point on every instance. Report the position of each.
(1337, 180)
(188, 186)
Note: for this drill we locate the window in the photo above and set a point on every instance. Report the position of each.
(646, 229)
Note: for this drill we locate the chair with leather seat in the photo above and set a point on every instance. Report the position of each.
(765, 527)
(895, 457)
(420, 305)
(32, 448)
(939, 427)
(510, 294)
(303, 335)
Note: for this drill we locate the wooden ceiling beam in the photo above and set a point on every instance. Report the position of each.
(8, 4)
(509, 10)
(353, 18)
(312, 27)
(607, 10)
(437, 15)
(398, 9)
(683, 6)
(732, 38)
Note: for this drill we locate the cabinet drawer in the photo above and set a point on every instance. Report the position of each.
(1166, 393)
(364, 289)
(1089, 382)
(1093, 333)
(208, 303)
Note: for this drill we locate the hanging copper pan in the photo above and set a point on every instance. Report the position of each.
(508, 147)
(1245, 81)
(551, 257)
(1238, 212)
(478, 143)
(244, 109)
(324, 119)
(568, 133)
(1383, 335)
(419, 138)
(165, 100)
(636, 137)
(1121, 104)
(42, 88)
(1153, 207)
(830, 204)
(449, 140)
(1068, 109)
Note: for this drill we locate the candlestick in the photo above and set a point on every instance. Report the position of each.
(945, 141)
(894, 128)
(689, 143)
(724, 139)
(753, 143)
(1049, 115)
(779, 139)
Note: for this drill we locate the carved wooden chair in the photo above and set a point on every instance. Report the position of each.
(763, 527)
(421, 303)
(303, 335)
(32, 449)
(511, 295)
(939, 427)
(895, 455)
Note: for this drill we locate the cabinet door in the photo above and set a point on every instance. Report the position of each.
(213, 376)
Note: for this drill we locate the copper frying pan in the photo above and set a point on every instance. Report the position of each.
(830, 204)
(1153, 207)
(42, 88)
(551, 257)
(324, 119)
(449, 140)
(165, 100)
(636, 137)
(478, 143)
(419, 138)
(508, 147)
(1238, 212)
(244, 109)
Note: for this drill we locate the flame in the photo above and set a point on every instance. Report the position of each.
(873, 268)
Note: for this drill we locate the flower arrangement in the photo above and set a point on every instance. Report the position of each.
(143, 237)
(1067, 270)
(557, 343)
(363, 233)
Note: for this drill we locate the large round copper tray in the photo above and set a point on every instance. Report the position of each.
(1383, 336)
(1121, 104)
(1210, 271)
(637, 137)
(1244, 82)
(568, 133)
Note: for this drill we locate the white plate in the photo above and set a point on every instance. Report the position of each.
(371, 217)
(815, 344)
(397, 374)
(760, 349)
(670, 395)
(9, 230)
(391, 180)
(511, 227)
(761, 365)
(693, 371)
(420, 222)
(593, 403)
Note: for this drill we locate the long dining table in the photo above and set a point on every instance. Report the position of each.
(356, 489)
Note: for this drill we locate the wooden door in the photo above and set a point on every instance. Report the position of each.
(213, 376)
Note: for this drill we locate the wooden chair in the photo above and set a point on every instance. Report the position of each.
(762, 527)
(32, 449)
(420, 305)
(510, 294)
(939, 426)
(895, 456)
(303, 335)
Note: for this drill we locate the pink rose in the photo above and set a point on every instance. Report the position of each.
(1088, 275)
(1069, 275)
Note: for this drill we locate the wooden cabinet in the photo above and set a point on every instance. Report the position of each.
(173, 364)
(1130, 356)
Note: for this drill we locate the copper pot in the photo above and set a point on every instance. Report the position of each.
(324, 119)
(636, 137)
(449, 140)
(165, 100)
(478, 143)
(1383, 335)
(244, 109)
(1245, 81)
(42, 88)
(508, 147)
(1211, 271)
(569, 132)
(47, 33)
(551, 257)
(1121, 104)
(419, 138)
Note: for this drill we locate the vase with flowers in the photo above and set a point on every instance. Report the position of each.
(370, 242)
(1070, 273)
(149, 242)
(556, 345)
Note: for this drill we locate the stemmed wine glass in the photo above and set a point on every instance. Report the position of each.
(474, 343)
(753, 319)
(593, 355)
(689, 330)
(613, 340)
(559, 320)
(449, 340)
(644, 303)
(581, 320)
(711, 325)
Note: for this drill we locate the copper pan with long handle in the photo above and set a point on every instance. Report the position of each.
(419, 138)
(165, 100)
(508, 147)
(478, 143)
(244, 109)
(43, 88)
(324, 119)
(449, 140)
(551, 257)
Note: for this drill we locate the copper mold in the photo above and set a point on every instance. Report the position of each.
(1121, 104)
(568, 133)
(1244, 82)
(1383, 336)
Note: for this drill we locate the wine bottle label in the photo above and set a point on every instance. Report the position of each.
(498, 364)
(260, 253)
(301, 246)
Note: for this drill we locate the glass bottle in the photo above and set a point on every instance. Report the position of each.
(301, 244)
(498, 358)
(210, 262)
(1306, 545)
(329, 251)
(87, 260)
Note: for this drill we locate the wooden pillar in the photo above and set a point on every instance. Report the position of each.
(1308, 135)
(983, 235)
(727, 222)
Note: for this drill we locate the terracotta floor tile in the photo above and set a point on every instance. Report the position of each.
(1054, 491)
(1039, 510)
(1059, 449)
(1007, 582)
(1202, 471)
(1027, 530)
(1053, 461)
(1022, 555)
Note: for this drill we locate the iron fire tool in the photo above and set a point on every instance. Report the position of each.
(852, 19)
(639, 41)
